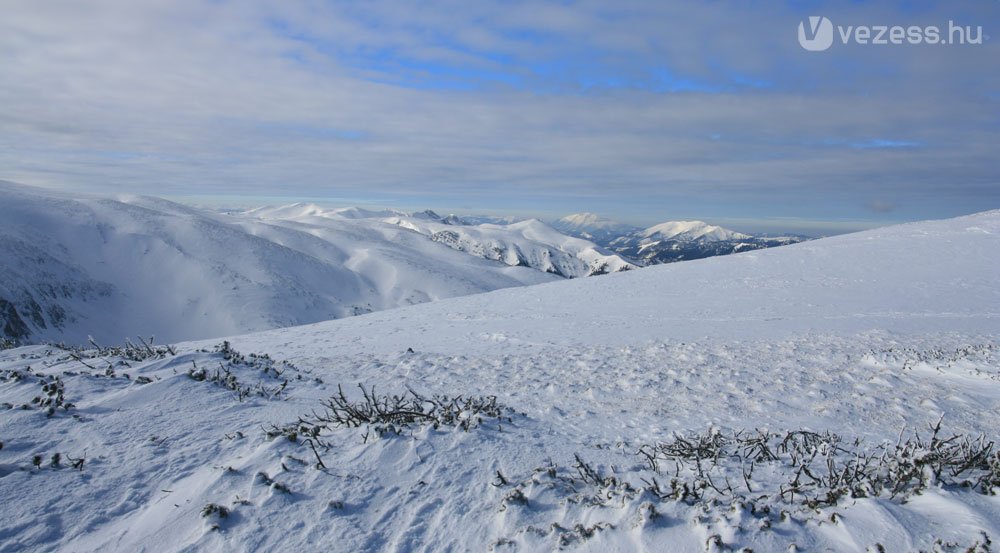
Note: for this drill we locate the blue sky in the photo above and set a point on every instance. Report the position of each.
(638, 110)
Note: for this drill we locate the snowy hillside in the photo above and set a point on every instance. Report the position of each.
(109, 268)
(777, 400)
(528, 243)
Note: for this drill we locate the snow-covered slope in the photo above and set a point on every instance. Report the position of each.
(108, 268)
(528, 243)
(668, 409)
(918, 276)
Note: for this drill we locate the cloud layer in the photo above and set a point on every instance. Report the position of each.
(639, 109)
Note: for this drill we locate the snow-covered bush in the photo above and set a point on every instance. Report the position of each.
(745, 479)
(820, 468)
(384, 414)
(380, 415)
(260, 366)
(224, 377)
(143, 351)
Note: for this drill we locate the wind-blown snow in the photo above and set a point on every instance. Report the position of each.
(861, 335)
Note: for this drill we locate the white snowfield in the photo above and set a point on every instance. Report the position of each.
(871, 336)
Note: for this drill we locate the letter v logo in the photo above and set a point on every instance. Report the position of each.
(817, 35)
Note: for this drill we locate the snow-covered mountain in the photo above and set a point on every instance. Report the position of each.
(591, 226)
(110, 268)
(179, 272)
(666, 242)
(686, 240)
(691, 231)
(768, 401)
(485, 219)
(528, 243)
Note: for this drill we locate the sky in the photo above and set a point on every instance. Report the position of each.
(639, 110)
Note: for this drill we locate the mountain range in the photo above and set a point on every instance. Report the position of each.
(78, 266)
(666, 242)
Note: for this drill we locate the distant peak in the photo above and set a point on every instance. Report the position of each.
(588, 220)
(582, 218)
(692, 230)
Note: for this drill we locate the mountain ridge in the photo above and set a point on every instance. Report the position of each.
(666, 242)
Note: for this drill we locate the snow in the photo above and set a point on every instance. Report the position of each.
(92, 266)
(866, 335)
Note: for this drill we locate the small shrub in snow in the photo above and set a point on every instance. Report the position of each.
(145, 350)
(821, 468)
(392, 413)
(772, 477)
(976, 359)
(257, 361)
(983, 545)
(389, 414)
(234, 362)
(77, 463)
(281, 488)
(224, 377)
(53, 390)
(265, 479)
(216, 513)
(215, 510)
